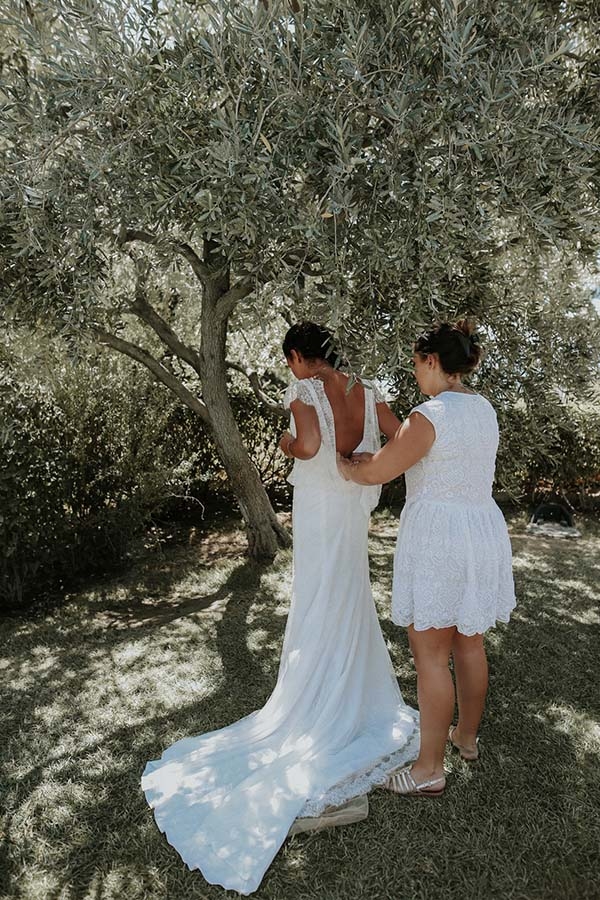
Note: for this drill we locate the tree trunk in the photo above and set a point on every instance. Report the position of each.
(265, 533)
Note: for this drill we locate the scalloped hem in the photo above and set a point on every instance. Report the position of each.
(217, 870)
(362, 782)
(461, 627)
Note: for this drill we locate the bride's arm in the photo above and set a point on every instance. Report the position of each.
(308, 438)
(410, 444)
(388, 422)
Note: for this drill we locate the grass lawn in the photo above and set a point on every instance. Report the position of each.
(189, 641)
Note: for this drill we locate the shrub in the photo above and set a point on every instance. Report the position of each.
(551, 451)
(91, 452)
(85, 461)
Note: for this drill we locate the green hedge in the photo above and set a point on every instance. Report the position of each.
(90, 453)
(551, 449)
(78, 478)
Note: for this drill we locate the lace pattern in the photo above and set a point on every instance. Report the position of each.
(378, 393)
(322, 469)
(299, 390)
(226, 799)
(362, 782)
(453, 558)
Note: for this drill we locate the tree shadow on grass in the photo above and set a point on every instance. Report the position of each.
(522, 823)
(100, 833)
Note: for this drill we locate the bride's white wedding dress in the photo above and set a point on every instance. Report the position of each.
(335, 724)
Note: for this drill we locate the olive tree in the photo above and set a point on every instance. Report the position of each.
(374, 163)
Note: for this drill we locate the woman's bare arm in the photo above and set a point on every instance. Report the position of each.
(308, 440)
(410, 444)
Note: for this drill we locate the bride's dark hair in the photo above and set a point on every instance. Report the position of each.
(455, 343)
(313, 342)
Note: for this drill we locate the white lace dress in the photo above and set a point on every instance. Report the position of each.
(335, 724)
(453, 562)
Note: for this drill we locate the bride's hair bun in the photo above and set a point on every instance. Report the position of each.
(313, 342)
(456, 344)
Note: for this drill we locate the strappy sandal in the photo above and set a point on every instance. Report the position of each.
(402, 782)
(467, 755)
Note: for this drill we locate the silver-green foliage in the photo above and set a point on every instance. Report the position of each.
(396, 149)
(373, 164)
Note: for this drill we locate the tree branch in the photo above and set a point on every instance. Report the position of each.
(299, 259)
(257, 387)
(148, 314)
(230, 298)
(157, 369)
(199, 267)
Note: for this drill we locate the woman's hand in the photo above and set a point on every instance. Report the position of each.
(344, 466)
(409, 445)
(361, 457)
(284, 443)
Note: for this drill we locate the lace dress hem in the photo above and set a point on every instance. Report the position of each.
(362, 782)
(467, 630)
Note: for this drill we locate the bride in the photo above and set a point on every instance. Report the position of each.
(335, 724)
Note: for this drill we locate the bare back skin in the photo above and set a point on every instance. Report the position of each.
(348, 409)
(348, 412)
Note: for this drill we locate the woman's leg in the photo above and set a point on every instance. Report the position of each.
(431, 651)
(471, 672)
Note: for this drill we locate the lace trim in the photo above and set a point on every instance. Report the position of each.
(362, 782)
(312, 392)
(378, 394)
(324, 411)
(372, 438)
(298, 390)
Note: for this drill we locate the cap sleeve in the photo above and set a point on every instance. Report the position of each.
(435, 412)
(378, 394)
(298, 390)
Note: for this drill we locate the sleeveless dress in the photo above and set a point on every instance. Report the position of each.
(335, 724)
(453, 563)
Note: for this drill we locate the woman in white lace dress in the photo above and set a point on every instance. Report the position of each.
(335, 724)
(452, 568)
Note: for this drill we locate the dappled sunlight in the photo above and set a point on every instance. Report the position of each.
(298, 779)
(572, 722)
(526, 561)
(38, 882)
(87, 703)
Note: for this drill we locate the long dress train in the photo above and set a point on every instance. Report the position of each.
(335, 724)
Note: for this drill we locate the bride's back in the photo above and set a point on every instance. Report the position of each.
(346, 422)
(348, 409)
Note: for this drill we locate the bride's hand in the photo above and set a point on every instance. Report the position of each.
(284, 442)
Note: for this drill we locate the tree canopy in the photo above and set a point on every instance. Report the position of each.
(371, 164)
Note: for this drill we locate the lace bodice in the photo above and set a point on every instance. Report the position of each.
(322, 469)
(460, 465)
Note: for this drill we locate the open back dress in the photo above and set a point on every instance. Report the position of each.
(335, 724)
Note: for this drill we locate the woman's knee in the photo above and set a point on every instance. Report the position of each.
(430, 649)
(464, 645)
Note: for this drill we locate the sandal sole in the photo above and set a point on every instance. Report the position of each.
(414, 793)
